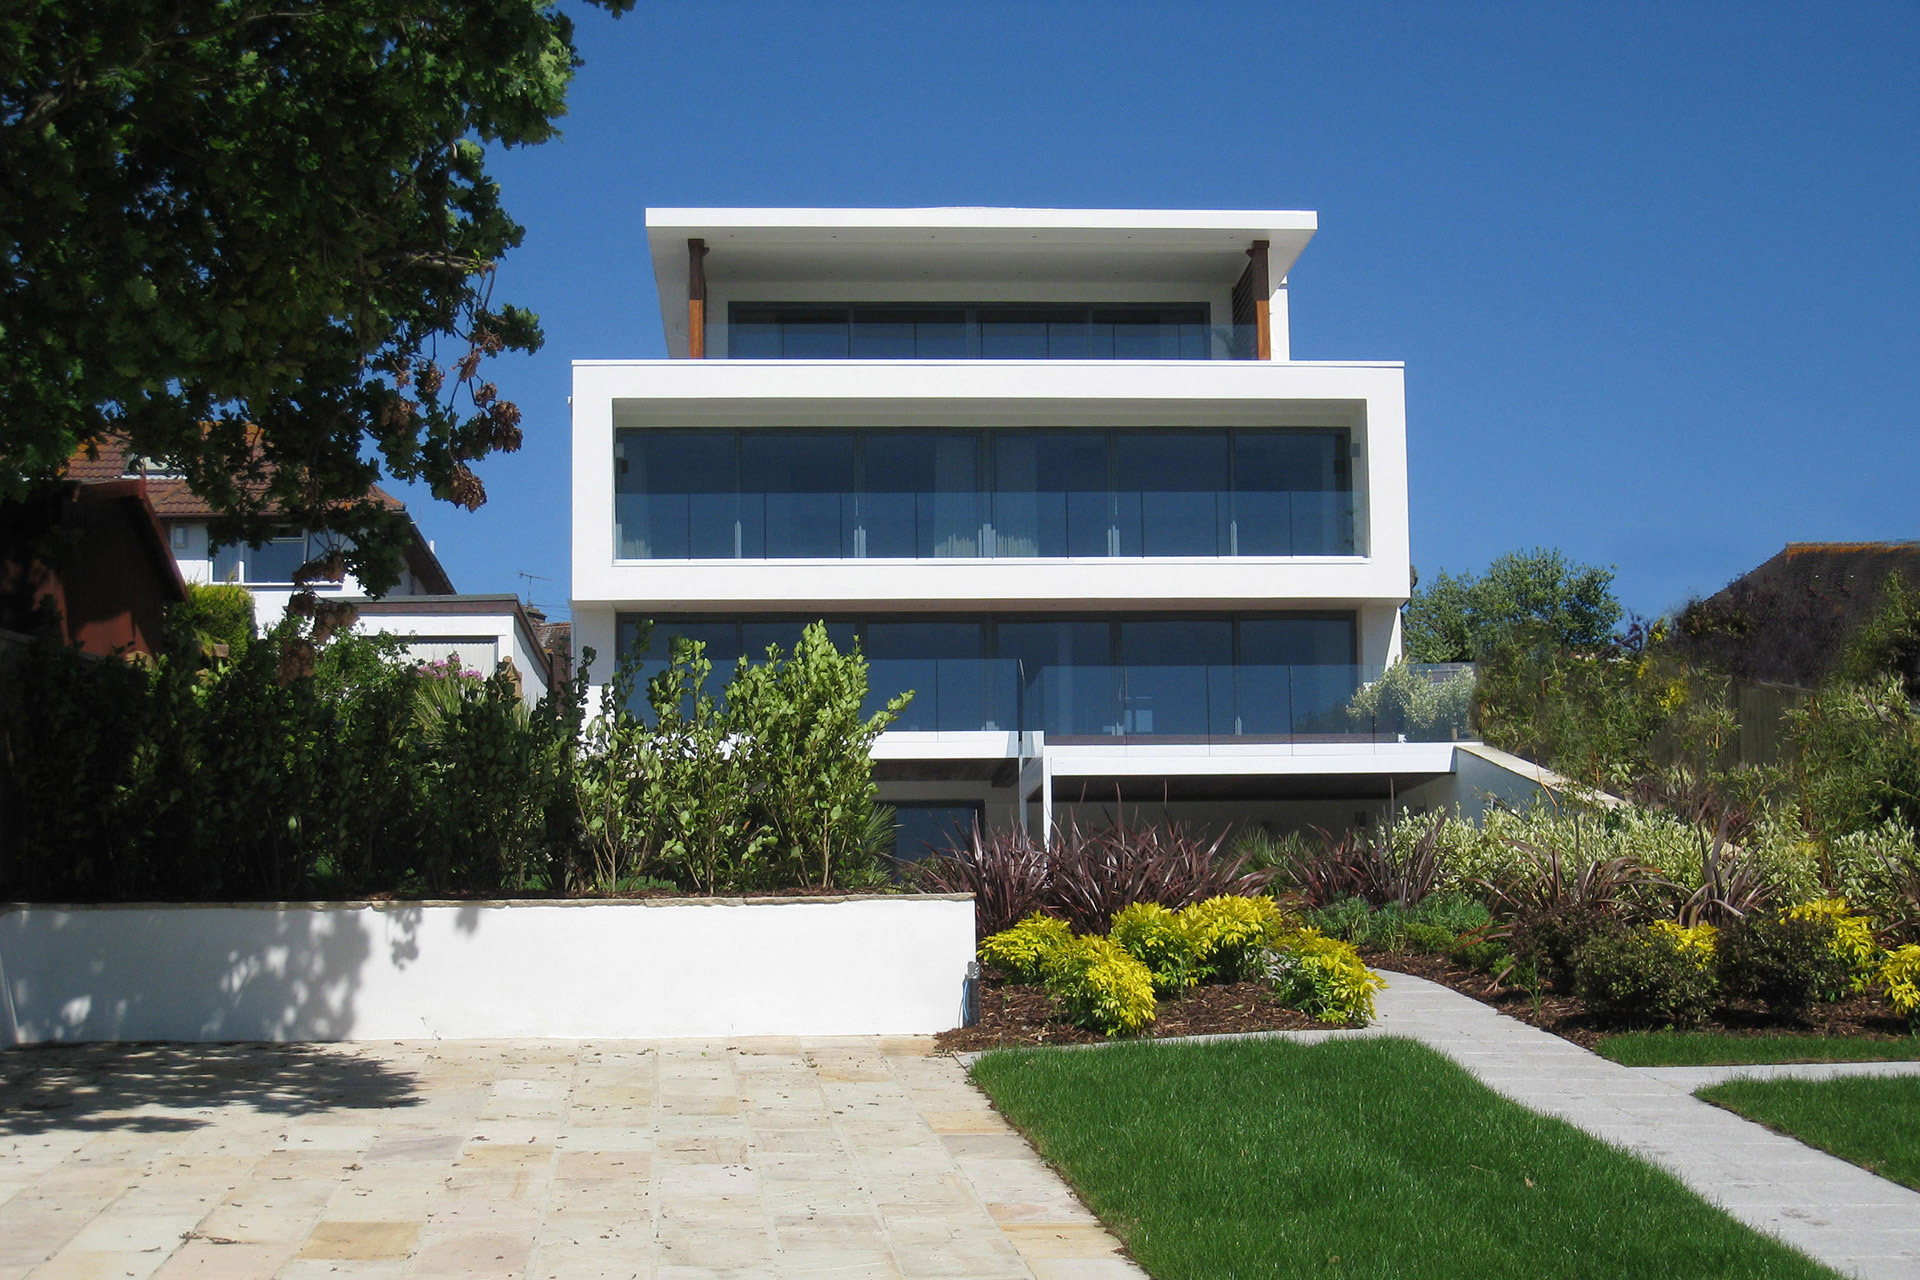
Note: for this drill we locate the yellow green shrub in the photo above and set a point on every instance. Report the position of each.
(1100, 987)
(1022, 951)
(1699, 943)
(1161, 940)
(1852, 938)
(1321, 975)
(1899, 977)
(1228, 931)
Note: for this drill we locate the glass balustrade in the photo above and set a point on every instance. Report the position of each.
(938, 526)
(992, 331)
(1315, 703)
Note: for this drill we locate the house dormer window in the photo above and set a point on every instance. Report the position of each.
(275, 561)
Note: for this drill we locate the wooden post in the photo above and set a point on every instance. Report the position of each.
(696, 298)
(1262, 289)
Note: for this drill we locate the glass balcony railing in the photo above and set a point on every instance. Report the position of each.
(1319, 702)
(881, 525)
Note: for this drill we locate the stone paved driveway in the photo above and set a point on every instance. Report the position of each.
(830, 1158)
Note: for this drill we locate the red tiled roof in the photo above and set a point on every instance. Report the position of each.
(170, 496)
(171, 499)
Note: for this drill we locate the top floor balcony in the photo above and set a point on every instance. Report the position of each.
(989, 284)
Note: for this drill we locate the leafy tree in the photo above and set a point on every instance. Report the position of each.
(1888, 642)
(257, 239)
(1461, 618)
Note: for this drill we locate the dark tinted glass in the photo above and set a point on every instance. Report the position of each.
(674, 494)
(1031, 333)
(1296, 641)
(941, 663)
(1050, 494)
(1071, 681)
(920, 829)
(921, 495)
(1170, 490)
(797, 496)
(1179, 677)
(1144, 333)
(810, 334)
(909, 333)
(756, 636)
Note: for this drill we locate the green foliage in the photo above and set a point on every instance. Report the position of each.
(215, 614)
(805, 743)
(1228, 931)
(1899, 978)
(1463, 618)
(1321, 975)
(343, 768)
(1888, 642)
(259, 240)
(1643, 975)
(1784, 962)
(1433, 925)
(1859, 756)
(1023, 951)
(1161, 940)
(1405, 701)
(1591, 713)
(1720, 1048)
(1550, 940)
(1100, 987)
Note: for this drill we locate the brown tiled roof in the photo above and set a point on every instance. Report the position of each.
(171, 499)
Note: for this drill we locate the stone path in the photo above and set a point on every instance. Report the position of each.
(1689, 1079)
(851, 1159)
(1836, 1212)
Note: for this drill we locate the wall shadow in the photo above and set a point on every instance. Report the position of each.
(106, 1087)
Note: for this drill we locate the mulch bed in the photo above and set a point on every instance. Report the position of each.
(1012, 1015)
(1566, 1016)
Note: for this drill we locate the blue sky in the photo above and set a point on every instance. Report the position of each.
(1654, 270)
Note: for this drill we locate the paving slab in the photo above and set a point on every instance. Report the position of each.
(666, 1160)
(1691, 1079)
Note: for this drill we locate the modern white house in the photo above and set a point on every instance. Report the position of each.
(1056, 471)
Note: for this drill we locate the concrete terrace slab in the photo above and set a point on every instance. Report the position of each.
(666, 1160)
(1691, 1079)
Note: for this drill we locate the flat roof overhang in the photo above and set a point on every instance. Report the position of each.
(958, 246)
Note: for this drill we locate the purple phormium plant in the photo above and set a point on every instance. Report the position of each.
(1087, 875)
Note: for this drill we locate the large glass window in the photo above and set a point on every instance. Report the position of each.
(1170, 493)
(674, 495)
(962, 331)
(797, 497)
(939, 494)
(921, 495)
(1051, 494)
(1217, 675)
(275, 561)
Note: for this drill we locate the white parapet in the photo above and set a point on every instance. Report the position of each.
(688, 967)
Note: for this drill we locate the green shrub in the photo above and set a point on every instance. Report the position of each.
(1784, 962)
(1023, 951)
(1161, 940)
(1643, 975)
(1430, 939)
(1322, 976)
(1550, 939)
(1100, 987)
(215, 614)
(1227, 932)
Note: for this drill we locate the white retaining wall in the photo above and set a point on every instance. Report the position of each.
(880, 965)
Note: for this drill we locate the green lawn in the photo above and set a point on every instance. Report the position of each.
(1715, 1049)
(1375, 1158)
(1874, 1121)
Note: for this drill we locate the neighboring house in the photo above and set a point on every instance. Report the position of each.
(1055, 470)
(423, 607)
(97, 554)
(1787, 620)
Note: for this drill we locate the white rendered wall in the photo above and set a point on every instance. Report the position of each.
(499, 631)
(1367, 398)
(551, 970)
